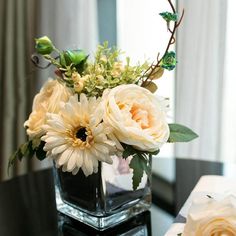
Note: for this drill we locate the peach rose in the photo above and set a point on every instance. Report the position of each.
(47, 100)
(137, 117)
(211, 217)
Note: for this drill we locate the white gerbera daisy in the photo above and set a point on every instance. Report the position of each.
(77, 138)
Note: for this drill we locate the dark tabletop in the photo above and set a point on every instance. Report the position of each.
(27, 203)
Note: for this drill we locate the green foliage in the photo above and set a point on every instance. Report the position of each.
(180, 133)
(168, 16)
(72, 61)
(140, 163)
(107, 71)
(169, 61)
(28, 150)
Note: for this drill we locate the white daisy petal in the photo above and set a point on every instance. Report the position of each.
(75, 171)
(97, 154)
(64, 168)
(71, 161)
(53, 145)
(113, 138)
(101, 148)
(79, 158)
(108, 159)
(93, 160)
(59, 149)
(64, 157)
(95, 170)
(88, 163)
(84, 102)
(84, 169)
(98, 130)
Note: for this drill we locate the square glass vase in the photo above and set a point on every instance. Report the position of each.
(104, 199)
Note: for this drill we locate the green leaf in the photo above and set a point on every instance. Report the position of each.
(24, 148)
(22, 151)
(62, 60)
(40, 153)
(27, 150)
(36, 142)
(138, 165)
(168, 16)
(154, 152)
(180, 133)
(128, 151)
(16, 155)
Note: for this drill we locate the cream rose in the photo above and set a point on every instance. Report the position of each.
(137, 117)
(47, 100)
(211, 217)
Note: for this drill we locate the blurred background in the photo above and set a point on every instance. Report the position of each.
(201, 89)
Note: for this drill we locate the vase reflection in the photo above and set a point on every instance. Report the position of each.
(138, 225)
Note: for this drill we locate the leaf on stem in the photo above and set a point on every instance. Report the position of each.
(140, 163)
(168, 16)
(156, 73)
(151, 86)
(28, 150)
(180, 133)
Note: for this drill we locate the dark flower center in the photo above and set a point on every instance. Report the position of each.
(81, 134)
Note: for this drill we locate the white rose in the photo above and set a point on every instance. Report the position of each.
(137, 117)
(47, 100)
(211, 217)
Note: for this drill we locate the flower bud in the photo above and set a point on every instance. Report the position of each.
(75, 76)
(44, 45)
(74, 56)
(103, 59)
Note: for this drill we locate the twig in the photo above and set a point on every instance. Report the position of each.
(170, 42)
(36, 61)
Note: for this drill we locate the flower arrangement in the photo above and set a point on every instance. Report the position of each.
(94, 109)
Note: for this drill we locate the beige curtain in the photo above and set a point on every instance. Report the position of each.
(70, 24)
(200, 77)
(18, 28)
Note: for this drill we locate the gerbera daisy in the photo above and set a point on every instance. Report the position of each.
(77, 138)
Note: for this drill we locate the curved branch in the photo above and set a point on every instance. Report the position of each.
(36, 61)
(170, 42)
(181, 18)
(172, 6)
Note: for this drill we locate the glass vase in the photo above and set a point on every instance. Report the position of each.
(104, 199)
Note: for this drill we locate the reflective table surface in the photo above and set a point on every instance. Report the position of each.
(27, 203)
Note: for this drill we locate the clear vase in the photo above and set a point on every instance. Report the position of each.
(104, 199)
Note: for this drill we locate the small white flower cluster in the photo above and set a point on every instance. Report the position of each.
(79, 131)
